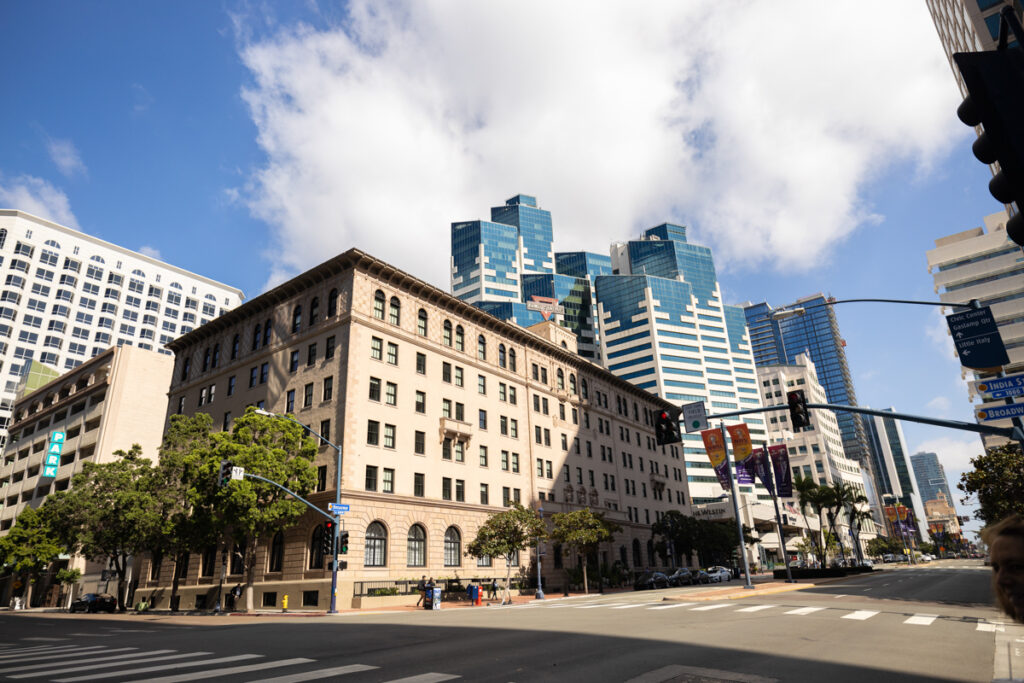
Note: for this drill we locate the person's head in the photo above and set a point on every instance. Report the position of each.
(1005, 541)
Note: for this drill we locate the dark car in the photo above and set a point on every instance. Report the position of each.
(682, 577)
(94, 602)
(701, 576)
(651, 580)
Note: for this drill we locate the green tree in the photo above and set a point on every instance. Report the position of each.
(110, 512)
(30, 546)
(682, 531)
(998, 481)
(883, 545)
(505, 534)
(583, 530)
(69, 577)
(810, 495)
(251, 510)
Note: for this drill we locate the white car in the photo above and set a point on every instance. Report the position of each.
(719, 574)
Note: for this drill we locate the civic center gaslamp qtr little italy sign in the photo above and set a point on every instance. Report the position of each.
(52, 461)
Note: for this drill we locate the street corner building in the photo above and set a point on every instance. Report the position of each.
(445, 415)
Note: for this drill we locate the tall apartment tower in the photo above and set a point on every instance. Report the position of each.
(930, 476)
(68, 297)
(984, 264)
(893, 472)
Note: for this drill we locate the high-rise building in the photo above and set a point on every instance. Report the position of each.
(68, 296)
(930, 476)
(984, 264)
(968, 26)
(894, 475)
(587, 265)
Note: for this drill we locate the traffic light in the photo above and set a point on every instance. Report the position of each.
(224, 477)
(666, 427)
(327, 540)
(995, 84)
(798, 409)
(343, 543)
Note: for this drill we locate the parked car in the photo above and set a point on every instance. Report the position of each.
(682, 577)
(701, 576)
(719, 574)
(94, 602)
(651, 580)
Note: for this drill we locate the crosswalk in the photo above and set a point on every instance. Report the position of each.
(73, 663)
(767, 610)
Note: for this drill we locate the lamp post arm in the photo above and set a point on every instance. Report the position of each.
(287, 490)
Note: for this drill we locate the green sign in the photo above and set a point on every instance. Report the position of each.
(52, 461)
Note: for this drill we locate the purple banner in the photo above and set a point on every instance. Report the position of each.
(780, 464)
(763, 469)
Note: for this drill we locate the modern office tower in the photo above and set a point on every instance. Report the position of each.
(815, 452)
(930, 476)
(572, 296)
(68, 296)
(106, 404)
(664, 328)
(816, 332)
(445, 415)
(984, 264)
(893, 473)
(584, 264)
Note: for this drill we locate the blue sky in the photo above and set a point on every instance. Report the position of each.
(248, 141)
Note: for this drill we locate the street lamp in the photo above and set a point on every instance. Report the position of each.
(337, 501)
(797, 311)
(540, 588)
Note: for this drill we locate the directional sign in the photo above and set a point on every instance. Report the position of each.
(52, 460)
(977, 339)
(1001, 387)
(695, 417)
(338, 508)
(1000, 412)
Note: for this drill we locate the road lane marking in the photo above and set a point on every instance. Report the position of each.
(841, 595)
(105, 663)
(922, 619)
(756, 608)
(600, 604)
(805, 610)
(229, 671)
(425, 678)
(638, 604)
(48, 640)
(318, 674)
(705, 608)
(860, 615)
(74, 652)
(178, 665)
(672, 606)
(991, 628)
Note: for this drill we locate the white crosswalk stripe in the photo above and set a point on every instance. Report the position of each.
(860, 615)
(805, 610)
(318, 674)
(922, 619)
(425, 678)
(756, 608)
(164, 667)
(991, 628)
(62, 654)
(636, 604)
(600, 604)
(707, 608)
(216, 673)
(673, 605)
(96, 661)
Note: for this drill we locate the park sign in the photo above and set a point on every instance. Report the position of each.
(977, 339)
(52, 460)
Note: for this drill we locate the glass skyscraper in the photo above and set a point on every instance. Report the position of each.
(894, 476)
(930, 476)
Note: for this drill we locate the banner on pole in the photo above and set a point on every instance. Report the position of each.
(902, 511)
(890, 513)
(714, 445)
(763, 468)
(780, 464)
(742, 450)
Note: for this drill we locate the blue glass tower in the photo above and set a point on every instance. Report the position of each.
(535, 231)
(930, 476)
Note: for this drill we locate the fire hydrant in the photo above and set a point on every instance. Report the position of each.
(284, 603)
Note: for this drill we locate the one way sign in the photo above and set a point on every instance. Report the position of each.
(977, 339)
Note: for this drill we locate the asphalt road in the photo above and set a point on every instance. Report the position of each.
(933, 623)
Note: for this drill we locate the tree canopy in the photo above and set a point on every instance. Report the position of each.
(584, 531)
(505, 534)
(998, 482)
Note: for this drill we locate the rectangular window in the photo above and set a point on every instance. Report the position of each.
(372, 432)
(421, 363)
(515, 462)
(513, 428)
(388, 481)
(446, 372)
(446, 488)
(483, 456)
(376, 348)
(293, 362)
(325, 431)
(418, 487)
(289, 403)
(503, 425)
(389, 436)
(484, 497)
(391, 394)
(264, 373)
(311, 355)
(458, 376)
(506, 498)
(329, 348)
(460, 412)
(446, 407)
(504, 461)
(481, 384)
(460, 491)
(307, 395)
(375, 389)
(502, 391)
(421, 402)
(460, 451)
(420, 443)
(392, 353)
(371, 477)
(328, 388)
(253, 375)
(483, 419)
(446, 449)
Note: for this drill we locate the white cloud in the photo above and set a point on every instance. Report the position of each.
(734, 118)
(65, 156)
(151, 252)
(38, 197)
(940, 406)
(142, 100)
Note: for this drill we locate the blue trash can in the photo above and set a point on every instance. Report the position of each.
(436, 599)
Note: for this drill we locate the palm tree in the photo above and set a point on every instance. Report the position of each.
(809, 494)
(843, 499)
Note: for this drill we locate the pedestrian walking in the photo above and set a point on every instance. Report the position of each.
(421, 587)
(492, 590)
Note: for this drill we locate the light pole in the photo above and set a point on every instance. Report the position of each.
(540, 588)
(337, 502)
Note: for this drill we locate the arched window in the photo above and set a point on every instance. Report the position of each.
(502, 358)
(267, 329)
(316, 547)
(452, 548)
(395, 311)
(421, 323)
(460, 338)
(215, 359)
(296, 319)
(584, 390)
(332, 303)
(416, 548)
(256, 337)
(564, 345)
(275, 558)
(560, 379)
(651, 560)
(378, 305)
(446, 335)
(512, 360)
(234, 346)
(376, 551)
(206, 359)
(638, 559)
(481, 348)
(572, 383)
(314, 310)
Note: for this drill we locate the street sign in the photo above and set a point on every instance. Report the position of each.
(1000, 412)
(238, 473)
(695, 417)
(1001, 387)
(52, 461)
(338, 508)
(977, 339)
